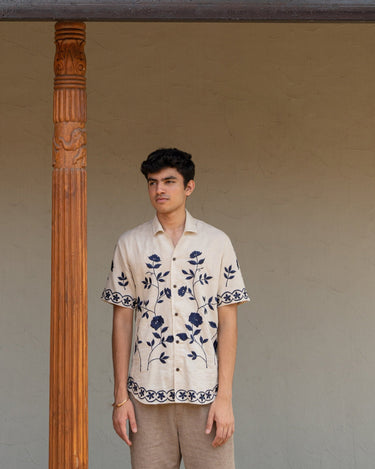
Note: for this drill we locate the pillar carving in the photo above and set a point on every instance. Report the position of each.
(68, 350)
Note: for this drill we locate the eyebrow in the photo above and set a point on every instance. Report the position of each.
(163, 179)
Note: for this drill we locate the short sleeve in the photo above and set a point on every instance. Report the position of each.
(231, 288)
(120, 288)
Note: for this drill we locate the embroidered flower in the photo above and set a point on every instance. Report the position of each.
(196, 319)
(157, 322)
(154, 257)
(195, 254)
(181, 291)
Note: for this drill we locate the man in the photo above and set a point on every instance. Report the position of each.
(181, 278)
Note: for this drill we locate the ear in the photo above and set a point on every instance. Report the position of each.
(190, 186)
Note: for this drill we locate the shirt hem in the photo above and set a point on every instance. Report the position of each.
(149, 396)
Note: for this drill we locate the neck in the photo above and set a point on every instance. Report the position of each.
(172, 222)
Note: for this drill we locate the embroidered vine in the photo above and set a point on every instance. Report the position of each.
(154, 279)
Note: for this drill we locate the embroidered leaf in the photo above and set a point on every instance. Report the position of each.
(201, 339)
(150, 266)
(188, 327)
(193, 262)
(152, 342)
(160, 301)
(161, 280)
(155, 334)
(166, 273)
(145, 315)
(163, 357)
(164, 329)
(169, 338)
(213, 324)
(197, 332)
(184, 272)
(201, 262)
(168, 293)
(182, 336)
(193, 355)
(204, 341)
(149, 344)
(156, 266)
(159, 275)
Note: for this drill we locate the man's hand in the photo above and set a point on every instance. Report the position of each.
(120, 416)
(221, 412)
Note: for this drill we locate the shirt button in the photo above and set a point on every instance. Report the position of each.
(177, 341)
(174, 286)
(176, 314)
(177, 369)
(174, 259)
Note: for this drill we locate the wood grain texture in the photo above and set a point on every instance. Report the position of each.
(68, 425)
(189, 10)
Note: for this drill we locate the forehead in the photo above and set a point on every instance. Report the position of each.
(165, 173)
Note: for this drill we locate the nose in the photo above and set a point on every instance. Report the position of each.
(159, 188)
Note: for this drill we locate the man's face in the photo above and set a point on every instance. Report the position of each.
(167, 192)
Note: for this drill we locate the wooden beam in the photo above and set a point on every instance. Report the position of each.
(189, 10)
(68, 350)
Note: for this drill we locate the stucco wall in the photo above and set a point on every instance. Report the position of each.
(279, 119)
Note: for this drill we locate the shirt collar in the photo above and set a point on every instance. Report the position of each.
(190, 225)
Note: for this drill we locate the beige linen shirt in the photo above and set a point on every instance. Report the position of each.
(175, 292)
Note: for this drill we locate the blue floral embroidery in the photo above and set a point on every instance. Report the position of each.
(195, 276)
(214, 337)
(118, 299)
(171, 395)
(154, 278)
(232, 297)
(123, 280)
(136, 349)
(229, 274)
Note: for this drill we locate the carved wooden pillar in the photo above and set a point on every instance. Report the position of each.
(68, 356)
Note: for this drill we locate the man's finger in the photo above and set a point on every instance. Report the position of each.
(132, 420)
(219, 437)
(210, 421)
(126, 436)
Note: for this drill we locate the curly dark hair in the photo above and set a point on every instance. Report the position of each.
(169, 158)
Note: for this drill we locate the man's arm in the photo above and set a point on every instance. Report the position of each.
(221, 410)
(121, 346)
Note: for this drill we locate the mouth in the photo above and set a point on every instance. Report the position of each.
(161, 199)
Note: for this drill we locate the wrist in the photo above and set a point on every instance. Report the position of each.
(224, 394)
(120, 394)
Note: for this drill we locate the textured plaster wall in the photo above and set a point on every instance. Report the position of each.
(279, 118)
